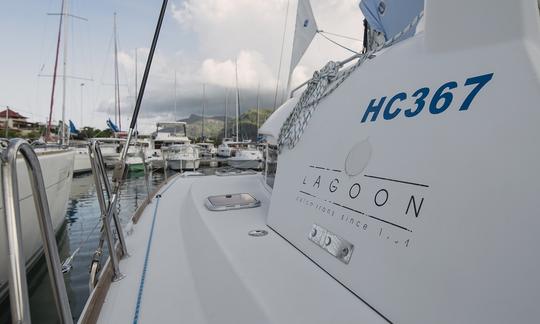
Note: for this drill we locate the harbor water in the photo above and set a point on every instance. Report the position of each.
(82, 230)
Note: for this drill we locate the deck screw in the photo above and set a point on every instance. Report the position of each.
(257, 233)
(327, 241)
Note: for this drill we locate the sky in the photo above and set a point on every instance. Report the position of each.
(199, 43)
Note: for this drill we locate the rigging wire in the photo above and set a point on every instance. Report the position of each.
(281, 56)
(103, 71)
(338, 44)
(339, 35)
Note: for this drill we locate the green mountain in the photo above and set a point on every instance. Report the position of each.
(214, 125)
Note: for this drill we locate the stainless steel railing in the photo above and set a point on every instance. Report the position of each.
(18, 289)
(108, 210)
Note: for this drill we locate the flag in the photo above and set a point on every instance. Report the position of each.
(72, 128)
(112, 126)
(305, 30)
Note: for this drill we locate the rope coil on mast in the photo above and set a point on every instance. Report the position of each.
(321, 85)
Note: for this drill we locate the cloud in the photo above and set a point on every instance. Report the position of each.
(252, 71)
(246, 31)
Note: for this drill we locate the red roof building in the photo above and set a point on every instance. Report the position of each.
(15, 120)
(11, 114)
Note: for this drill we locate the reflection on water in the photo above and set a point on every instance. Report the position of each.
(82, 226)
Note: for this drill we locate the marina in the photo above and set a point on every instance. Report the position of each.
(385, 182)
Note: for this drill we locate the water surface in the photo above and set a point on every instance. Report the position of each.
(82, 229)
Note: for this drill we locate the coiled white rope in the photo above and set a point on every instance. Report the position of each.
(322, 84)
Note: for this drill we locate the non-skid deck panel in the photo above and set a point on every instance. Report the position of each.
(169, 294)
(204, 268)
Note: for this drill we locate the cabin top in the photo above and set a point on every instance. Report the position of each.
(420, 195)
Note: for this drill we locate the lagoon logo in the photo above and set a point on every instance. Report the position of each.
(381, 8)
(440, 101)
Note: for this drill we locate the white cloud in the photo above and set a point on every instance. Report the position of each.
(244, 30)
(226, 29)
(252, 70)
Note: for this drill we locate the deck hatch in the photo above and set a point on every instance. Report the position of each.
(231, 202)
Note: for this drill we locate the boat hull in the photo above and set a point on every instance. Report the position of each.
(157, 163)
(81, 162)
(57, 169)
(246, 164)
(179, 165)
(136, 167)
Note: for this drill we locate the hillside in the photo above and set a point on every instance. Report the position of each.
(214, 125)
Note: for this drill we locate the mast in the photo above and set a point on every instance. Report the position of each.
(226, 108)
(82, 111)
(117, 116)
(258, 105)
(175, 95)
(136, 74)
(6, 122)
(48, 134)
(203, 108)
(64, 67)
(237, 100)
(281, 55)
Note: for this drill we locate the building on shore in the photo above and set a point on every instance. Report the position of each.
(16, 122)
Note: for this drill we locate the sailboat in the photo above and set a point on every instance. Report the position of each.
(243, 155)
(229, 146)
(81, 162)
(57, 166)
(206, 149)
(249, 157)
(112, 146)
(424, 211)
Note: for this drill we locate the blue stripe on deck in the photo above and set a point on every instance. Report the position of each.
(145, 267)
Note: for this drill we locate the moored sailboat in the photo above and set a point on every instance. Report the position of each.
(387, 227)
(57, 166)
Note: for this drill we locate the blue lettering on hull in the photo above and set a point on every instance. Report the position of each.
(440, 101)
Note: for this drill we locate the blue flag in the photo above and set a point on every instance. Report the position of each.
(112, 126)
(72, 128)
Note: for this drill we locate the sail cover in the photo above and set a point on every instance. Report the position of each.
(305, 30)
(391, 16)
(112, 126)
(72, 128)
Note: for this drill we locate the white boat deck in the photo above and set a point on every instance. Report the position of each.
(202, 266)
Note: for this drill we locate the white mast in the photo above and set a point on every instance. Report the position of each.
(136, 90)
(281, 54)
(82, 111)
(175, 92)
(117, 117)
(64, 76)
(136, 80)
(7, 122)
(258, 105)
(237, 100)
(203, 108)
(226, 108)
